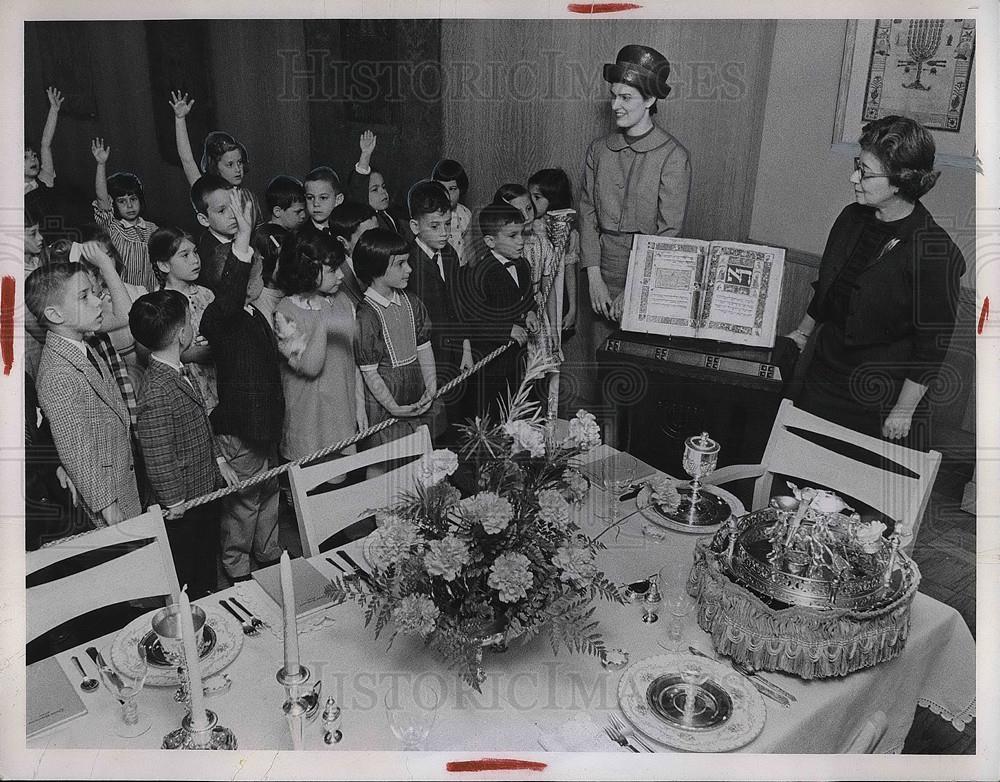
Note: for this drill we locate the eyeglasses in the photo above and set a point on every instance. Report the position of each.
(865, 174)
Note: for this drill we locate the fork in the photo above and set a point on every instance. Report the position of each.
(618, 738)
(248, 629)
(626, 731)
(254, 621)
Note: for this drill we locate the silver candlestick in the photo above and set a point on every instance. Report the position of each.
(301, 701)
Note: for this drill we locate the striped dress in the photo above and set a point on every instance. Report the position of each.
(131, 241)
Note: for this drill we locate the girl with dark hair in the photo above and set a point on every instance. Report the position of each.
(315, 328)
(177, 266)
(884, 308)
(550, 191)
(451, 174)
(392, 343)
(222, 155)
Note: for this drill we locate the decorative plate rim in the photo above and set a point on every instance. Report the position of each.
(743, 726)
(229, 642)
(644, 505)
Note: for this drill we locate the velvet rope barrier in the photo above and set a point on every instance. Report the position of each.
(276, 471)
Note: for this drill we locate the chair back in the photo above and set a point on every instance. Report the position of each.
(71, 577)
(323, 514)
(894, 480)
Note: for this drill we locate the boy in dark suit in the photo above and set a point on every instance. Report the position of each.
(251, 411)
(79, 395)
(497, 303)
(181, 457)
(434, 280)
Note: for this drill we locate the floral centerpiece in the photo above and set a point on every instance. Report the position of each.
(505, 562)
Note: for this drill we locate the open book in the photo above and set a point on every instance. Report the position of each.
(725, 291)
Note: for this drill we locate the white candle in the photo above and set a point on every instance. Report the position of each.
(288, 607)
(199, 720)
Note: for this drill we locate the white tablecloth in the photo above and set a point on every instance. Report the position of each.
(529, 691)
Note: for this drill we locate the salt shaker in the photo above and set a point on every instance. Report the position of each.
(331, 716)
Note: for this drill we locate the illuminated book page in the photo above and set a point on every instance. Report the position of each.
(663, 288)
(742, 291)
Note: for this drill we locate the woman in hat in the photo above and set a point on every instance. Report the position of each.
(636, 181)
(885, 303)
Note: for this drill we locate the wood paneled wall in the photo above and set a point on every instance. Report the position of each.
(527, 94)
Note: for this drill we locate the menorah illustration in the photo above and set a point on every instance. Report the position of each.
(923, 37)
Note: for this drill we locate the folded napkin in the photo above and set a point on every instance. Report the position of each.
(579, 734)
(604, 469)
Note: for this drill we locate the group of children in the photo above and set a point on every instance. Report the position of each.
(275, 333)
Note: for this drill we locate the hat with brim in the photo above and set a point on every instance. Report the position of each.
(640, 67)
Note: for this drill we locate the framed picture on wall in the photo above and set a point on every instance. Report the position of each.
(920, 68)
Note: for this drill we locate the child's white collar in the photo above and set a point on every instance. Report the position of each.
(378, 298)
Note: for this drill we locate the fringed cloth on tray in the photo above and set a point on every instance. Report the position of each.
(807, 642)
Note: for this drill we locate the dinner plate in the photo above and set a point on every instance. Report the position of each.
(653, 513)
(223, 633)
(729, 712)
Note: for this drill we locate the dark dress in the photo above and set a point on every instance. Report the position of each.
(885, 305)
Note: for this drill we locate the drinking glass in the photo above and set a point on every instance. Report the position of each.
(412, 711)
(125, 687)
(679, 606)
(619, 482)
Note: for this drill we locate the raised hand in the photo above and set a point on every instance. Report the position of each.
(55, 98)
(93, 252)
(100, 152)
(368, 141)
(181, 104)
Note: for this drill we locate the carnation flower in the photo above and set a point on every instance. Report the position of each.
(552, 507)
(869, 536)
(446, 557)
(584, 433)
(665, 495)
(527, 437)
(415, 614)
(827, 502)
(437, 466)
(510, 576)
(576, 564)
(392, 539)
(493, 512)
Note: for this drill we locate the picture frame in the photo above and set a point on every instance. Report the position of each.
(886, 70)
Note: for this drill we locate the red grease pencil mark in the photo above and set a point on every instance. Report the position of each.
(7, 289)
(600, 8)
(495, 764)
(984, 315)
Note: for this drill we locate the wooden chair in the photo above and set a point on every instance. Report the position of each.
(868, 735)
(77, 575)
(891, 479)
(321, 515)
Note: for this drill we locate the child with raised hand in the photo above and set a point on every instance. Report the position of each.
(177, 266)
(222, 154)
(451, 174)
(315, 330)
(118, 209)
(250, 415)
(39, 168)
(367, 185)
(392, 341)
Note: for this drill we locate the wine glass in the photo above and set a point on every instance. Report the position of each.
(693, 676)
(618, 482)
(125, 687)
(412, 712)
(679, 605)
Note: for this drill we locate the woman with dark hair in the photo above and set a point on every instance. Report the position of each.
(315, 330)
(884, 305)
(636, 181)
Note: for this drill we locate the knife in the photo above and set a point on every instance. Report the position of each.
(362, 574)
(763, 688)
(99, 661)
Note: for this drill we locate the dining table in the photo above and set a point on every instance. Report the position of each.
(531, 699)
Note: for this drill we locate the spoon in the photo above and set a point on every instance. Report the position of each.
(89, 683)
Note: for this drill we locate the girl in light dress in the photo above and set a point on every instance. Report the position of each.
(314, 325)
(177, 265)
